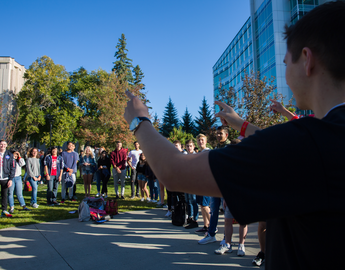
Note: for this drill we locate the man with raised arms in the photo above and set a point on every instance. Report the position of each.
(297, 200)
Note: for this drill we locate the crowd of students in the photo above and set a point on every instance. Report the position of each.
(258, 177)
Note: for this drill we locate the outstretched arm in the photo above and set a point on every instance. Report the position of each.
(277, 107)
(178, 172)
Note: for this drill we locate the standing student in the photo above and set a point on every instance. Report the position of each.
(53, 169)
(33, 167)
(141, 169)
(70, 161)
(7, 173)
(133, 159)
(118, 160)
(203, 201)
(17, 184)
(88, 164)
(104, 165)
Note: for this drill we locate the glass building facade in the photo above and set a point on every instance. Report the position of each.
(259, 45)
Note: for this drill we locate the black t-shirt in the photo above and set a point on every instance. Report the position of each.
(292, 176)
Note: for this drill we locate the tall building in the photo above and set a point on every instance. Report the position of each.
(11, 82)
(259, 45)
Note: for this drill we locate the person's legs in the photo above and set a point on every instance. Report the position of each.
(158, 189)
(133, 180)
(150, 184)
(145, 189)
(161, 193)
(123, 181)
(243, 230)
(4, 192)
(70, 190)
(105, 185)
(214, 205)
(99, 177)
(204, 202)
(195, 207)
(85, 176)
(33, 184)
(19, 190)
(50, 189)
(262, 235)
(89, 182)
(63, 188)
(116, 179)
(11, 192)
(55, 188)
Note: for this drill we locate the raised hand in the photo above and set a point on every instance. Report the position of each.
(228, 116)
(135, 108)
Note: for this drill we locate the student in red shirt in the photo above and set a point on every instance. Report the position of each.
(53, 168)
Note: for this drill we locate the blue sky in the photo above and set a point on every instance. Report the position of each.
(175, 43)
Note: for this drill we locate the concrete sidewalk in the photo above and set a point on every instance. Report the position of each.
(133, 240)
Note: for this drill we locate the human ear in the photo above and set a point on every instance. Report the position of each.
(308, 61)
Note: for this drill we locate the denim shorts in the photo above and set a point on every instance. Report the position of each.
(87, 171)
(203, 200)
(142, 177)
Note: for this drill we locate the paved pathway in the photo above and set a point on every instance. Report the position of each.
(133, 240)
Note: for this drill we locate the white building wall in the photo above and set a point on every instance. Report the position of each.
(11, 80)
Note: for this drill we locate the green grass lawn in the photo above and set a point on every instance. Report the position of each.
(46, 213)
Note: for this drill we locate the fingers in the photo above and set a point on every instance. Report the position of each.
(129, 94)
(221, 104)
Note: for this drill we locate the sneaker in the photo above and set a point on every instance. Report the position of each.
(148, 199)
(159, 205)
(202, 230)
(106, 196)
(193, 224)
(50, 204)
(62, 201)
(122, 197)
(259, 259)
(117, 197)
(226, 248)
(142, 199)
(154, 201)
(132, 197)
(11, 210)
(6, 214)
(26, 209)
(34, 205)
(165, 206)
(222, 242)
(241, 250)
(207, 239)
(97, 195)
(168, 214)
(55, 203)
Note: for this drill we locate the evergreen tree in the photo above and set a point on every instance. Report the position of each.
(138, 75)
(206, 120)
(123, 65)
(170, 119)
(187, 123)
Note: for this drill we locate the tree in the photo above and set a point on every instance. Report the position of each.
(43, 100)
(182, 136)
(188, 123)
(155, 122)
(170, 119)
(253, 104)
(107, 125)
(123, 65)
(206, 119)
(138, 75)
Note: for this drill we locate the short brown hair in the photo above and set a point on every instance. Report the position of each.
(177, 142)
(322, 31)
(189, 141)
(224, 128)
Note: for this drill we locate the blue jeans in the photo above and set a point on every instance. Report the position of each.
(153, 189)
(214, 207)
(52, 188)
(193, 210)
(33, 184)
(18, 186)
(98, 180)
